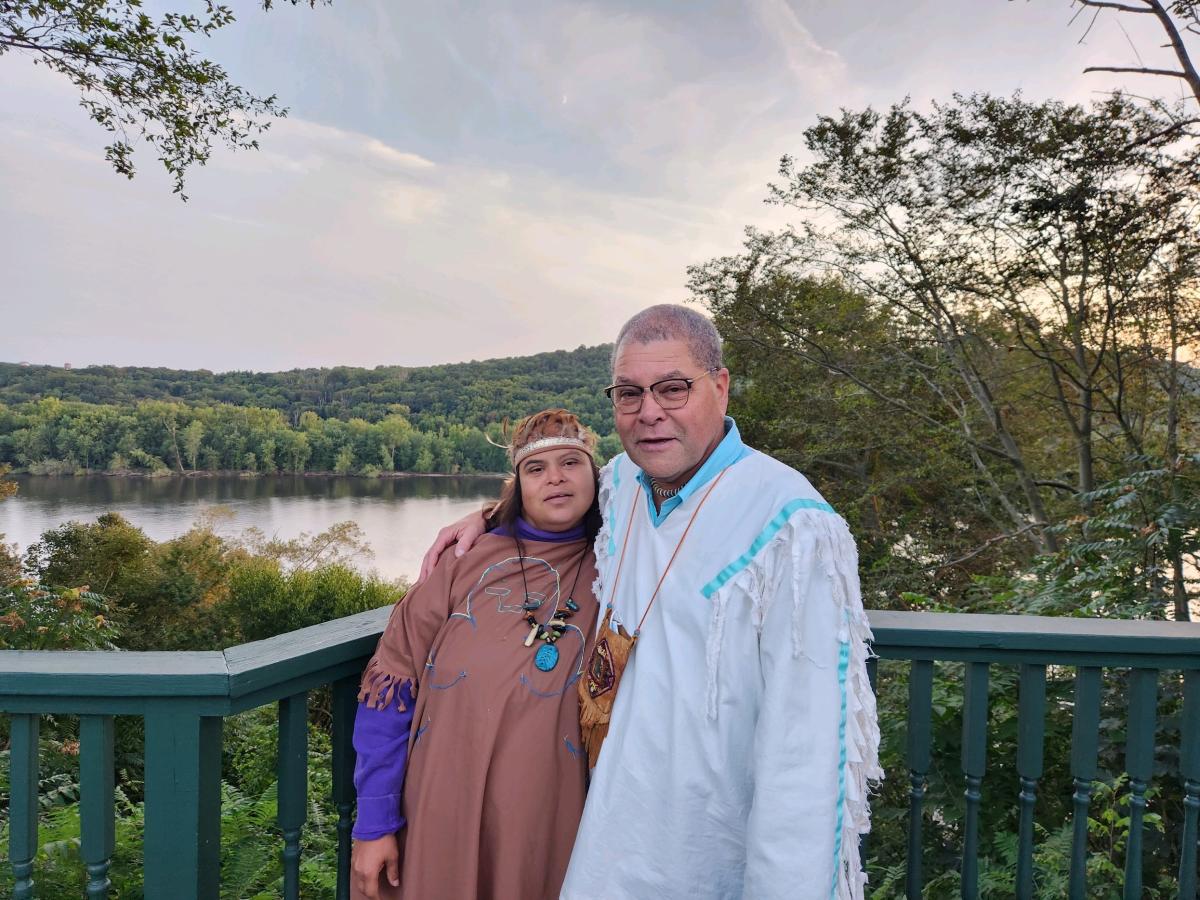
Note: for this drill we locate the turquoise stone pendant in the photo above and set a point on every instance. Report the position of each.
(546, 657)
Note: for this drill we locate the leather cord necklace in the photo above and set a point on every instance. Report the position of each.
(610, 654)
(678, 547)
(546, 657)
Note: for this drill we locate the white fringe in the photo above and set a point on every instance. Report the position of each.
(604, 536)
(840, 556)
(712, 653)
(819, 538)
(862, 762)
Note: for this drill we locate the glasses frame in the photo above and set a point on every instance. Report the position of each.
(608, 391)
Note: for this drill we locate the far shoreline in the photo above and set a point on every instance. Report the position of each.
(243, 473)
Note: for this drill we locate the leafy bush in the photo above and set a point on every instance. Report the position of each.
(10, 563)
(40, 618)
(264, 600)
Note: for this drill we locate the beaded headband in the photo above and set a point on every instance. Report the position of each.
(547, 443)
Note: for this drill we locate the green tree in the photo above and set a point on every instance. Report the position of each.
(109, 556)
(1121, 559)
(1012, 259)
(138, 76)
(392, 432)
(425, 460)
(344, 463)
(193, 437)
(10, 562)
(295, 450)
(8, 487)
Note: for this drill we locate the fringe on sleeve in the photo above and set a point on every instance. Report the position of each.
(604, 544)
(380, 689)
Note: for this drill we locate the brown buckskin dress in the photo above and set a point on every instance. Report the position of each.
(496, 773)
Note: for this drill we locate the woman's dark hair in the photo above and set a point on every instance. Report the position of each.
(509, 506)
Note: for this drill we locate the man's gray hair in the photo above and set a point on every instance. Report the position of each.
(669, 322)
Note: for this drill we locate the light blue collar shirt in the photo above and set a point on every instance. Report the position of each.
(729, 451)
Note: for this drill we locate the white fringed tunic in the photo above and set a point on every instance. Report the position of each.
(744, 735)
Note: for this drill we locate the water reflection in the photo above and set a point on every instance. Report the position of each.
(398, 515)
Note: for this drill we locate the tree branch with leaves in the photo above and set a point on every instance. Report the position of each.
(140, 77)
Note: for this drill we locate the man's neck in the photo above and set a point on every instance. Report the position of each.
(676, 484)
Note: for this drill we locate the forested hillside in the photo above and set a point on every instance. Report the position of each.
(472, 393)
(345, 420)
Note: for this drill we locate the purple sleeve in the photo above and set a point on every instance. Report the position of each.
(381, 742)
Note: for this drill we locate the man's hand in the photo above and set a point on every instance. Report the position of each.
(369, 858)
(464, 533)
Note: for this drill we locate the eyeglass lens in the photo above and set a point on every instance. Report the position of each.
(670, 394)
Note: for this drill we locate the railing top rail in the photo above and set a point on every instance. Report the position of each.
(229, 673)
(261, 665)
(1048, 634)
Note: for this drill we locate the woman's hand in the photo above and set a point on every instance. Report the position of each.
(369, 858)
(465, 532)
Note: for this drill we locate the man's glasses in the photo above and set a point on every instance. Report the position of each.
(670, 393)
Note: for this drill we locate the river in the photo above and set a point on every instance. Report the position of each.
(398, 516)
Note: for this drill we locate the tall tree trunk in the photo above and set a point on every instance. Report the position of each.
(1174, 536)
(981, 391)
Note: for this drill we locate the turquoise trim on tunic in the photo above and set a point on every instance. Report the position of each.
(612, 503)
(730, 450)
(843, 666)
(764, 538)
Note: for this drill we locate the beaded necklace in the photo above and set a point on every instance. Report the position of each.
(546, 657)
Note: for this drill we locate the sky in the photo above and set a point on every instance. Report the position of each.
(469, 180)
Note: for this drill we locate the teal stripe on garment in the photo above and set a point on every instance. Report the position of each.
(612, 504)
(843, 667)
(761, 541)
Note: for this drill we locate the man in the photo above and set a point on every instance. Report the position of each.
(743, 732)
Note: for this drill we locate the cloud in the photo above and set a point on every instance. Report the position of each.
(324, 251)
(432, 197)
(382, 151)
(807, 59)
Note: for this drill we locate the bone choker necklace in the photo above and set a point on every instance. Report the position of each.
(661, 491)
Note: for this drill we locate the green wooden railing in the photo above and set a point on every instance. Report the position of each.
(184, 697)
(1032, 644)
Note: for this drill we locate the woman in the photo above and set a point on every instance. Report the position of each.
(470, 772)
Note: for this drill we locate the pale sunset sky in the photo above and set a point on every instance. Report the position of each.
(463, 181)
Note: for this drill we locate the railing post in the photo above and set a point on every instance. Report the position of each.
(864, 840)
(96, 813)
(1085, 735)
(293, 786)
(974, 762)
(1189, 770)
(345, 707)
(1139, 763)
(1031, 715)
(23, 803)
(183, 805)
(920, 715)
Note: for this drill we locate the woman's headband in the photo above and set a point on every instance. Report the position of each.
(548, 443)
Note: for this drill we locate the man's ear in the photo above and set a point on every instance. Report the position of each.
(721, 380)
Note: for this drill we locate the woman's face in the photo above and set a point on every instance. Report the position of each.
(557, 487)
